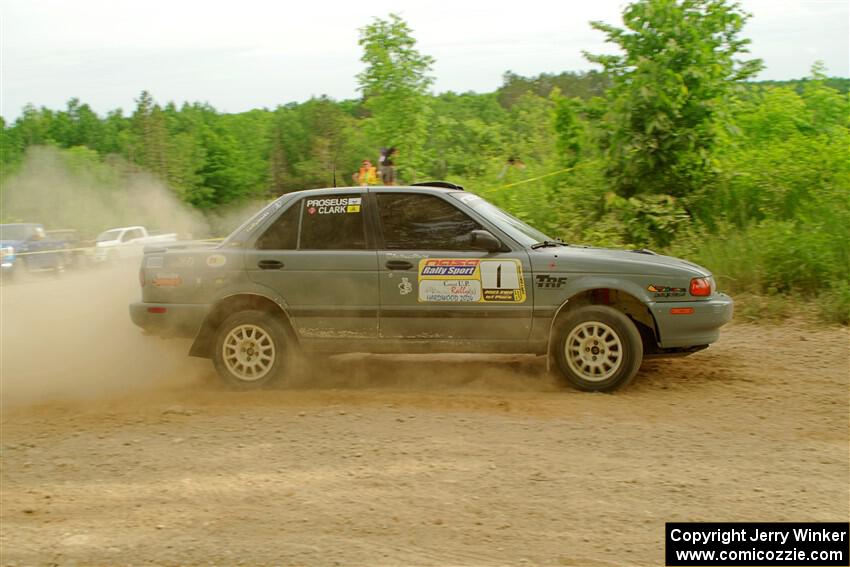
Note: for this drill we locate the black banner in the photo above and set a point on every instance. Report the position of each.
(755, 543)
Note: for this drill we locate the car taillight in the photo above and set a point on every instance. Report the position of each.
(701, 287)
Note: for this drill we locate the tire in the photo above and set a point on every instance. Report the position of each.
(618, 354)
(237, 363)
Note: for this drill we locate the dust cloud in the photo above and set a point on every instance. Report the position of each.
(69, 336)
(71, 339)
(74, 190)
(424, 373)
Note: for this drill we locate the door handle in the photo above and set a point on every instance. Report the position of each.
(399, 265)
(270, 264)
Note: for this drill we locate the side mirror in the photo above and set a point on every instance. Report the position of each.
(483, 240)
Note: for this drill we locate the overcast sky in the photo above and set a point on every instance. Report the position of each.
(245, 54)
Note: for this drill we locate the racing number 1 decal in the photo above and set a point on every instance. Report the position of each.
(450, 280)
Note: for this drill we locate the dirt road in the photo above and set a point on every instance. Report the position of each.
(116, 449)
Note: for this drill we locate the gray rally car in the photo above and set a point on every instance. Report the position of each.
(426, 268)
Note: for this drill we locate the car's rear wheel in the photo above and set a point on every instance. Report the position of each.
(598, 348)
(250, 350)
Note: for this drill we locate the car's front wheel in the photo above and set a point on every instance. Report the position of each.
(598, 348)
(250, 349)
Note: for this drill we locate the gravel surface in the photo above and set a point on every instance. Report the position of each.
(118, 449)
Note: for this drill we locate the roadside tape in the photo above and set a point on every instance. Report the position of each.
(56, 251)
(92, 249)
(536, 178)
(539, 177)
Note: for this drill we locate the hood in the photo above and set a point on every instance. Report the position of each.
(587, 259)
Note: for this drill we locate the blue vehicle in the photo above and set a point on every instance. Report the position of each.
(26, 247)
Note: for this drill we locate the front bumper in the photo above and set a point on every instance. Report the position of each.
(701, 326)
(170, 319)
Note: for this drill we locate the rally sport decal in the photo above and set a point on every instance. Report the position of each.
(444, 280)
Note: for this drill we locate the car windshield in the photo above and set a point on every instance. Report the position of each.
(109, 235)
(15, 231)
(520, 231)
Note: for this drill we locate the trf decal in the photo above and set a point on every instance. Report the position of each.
(550, 282)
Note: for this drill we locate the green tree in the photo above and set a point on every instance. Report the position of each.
(395, 87)
(680, 64)
(149, 148)
(568, 130)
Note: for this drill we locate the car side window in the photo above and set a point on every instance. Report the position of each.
(413, 221)
(283, 234)
(334, 222)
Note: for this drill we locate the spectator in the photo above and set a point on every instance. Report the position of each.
(367, 174)
(387, 165)
(512, 162)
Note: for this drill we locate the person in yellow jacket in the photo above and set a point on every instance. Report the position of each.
(367, 175)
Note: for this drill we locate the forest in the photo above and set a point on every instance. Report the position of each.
(669, 145)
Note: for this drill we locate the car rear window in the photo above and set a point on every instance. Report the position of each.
(334, 222)
(283, 234)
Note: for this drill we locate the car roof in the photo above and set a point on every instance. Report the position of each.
(381, 188)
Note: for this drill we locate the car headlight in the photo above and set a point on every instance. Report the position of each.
(7, 255)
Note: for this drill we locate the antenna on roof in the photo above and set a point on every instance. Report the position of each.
(333, 166)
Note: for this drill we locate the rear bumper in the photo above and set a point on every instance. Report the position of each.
(699, 327)
(169, 319)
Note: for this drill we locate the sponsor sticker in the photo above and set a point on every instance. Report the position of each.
(154, 262)
(216, 260)
(334, 205)
(405, 287)
(545, 281)
(666, 290)
(167, 280)
(272, 208)
(450, 280)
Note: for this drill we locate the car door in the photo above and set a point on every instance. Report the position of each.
(434, 285)
(319, 256)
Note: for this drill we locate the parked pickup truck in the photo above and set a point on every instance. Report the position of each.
(27, 247)
(78, 251)
(421, 269)
(126, 242)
